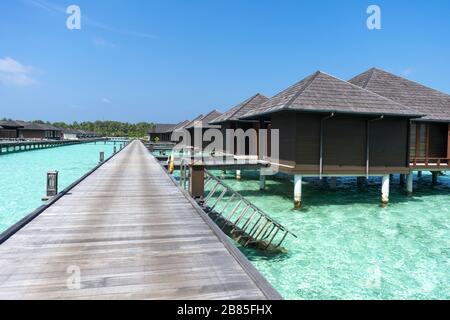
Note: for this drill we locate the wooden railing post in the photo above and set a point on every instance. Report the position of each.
(197, 181)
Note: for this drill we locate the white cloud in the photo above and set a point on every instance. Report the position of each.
(15, 73)
(106, 100)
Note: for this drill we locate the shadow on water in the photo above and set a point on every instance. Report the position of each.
(259, 255)
(319, 193)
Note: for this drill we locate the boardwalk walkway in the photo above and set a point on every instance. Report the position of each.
(133, 235)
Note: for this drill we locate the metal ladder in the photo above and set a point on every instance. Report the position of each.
(243, 221)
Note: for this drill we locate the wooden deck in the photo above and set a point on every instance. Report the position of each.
(20, 146)
(134, 235)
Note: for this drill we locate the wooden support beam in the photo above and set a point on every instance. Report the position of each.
(197, 181)
(409, 184)
(402, 179)
(434, 178)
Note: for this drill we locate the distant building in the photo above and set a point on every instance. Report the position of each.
(9, 129)
(202, 122)
(32, 130)
(160, 132)
(71, 134)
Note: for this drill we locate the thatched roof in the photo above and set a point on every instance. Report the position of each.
(241, 109)
(321, 92)
(434, 104)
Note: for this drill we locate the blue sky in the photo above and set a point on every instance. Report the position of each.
(167, 61)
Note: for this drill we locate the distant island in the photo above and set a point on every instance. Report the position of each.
(103, 128)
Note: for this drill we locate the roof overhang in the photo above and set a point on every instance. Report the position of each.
(269, 113)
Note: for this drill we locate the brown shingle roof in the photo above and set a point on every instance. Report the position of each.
(434, 104)
(192, 122)
(205, 120)
(161, 128)
(179, 126)
(321, 92)
(241, 109)
(37, 126)
(10, 124)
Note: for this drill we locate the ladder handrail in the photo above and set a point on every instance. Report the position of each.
(248, 203)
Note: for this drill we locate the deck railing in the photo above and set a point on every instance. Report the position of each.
(418, 162)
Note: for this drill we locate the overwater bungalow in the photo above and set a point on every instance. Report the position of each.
(179, 126)
(34, 130)
(430, 135)
(231, 120)
(329, 127)
(199, 125)
(181, 131)
(9, 129)
(160, 132)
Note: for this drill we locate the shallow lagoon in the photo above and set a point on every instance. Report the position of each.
(348, 247)
(24, 175)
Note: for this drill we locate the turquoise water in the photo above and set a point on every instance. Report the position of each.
(24, 176)
(348, 247)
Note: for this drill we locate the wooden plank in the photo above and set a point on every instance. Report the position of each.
(134, 235)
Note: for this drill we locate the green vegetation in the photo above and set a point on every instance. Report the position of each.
(110, 128)
(105, 128)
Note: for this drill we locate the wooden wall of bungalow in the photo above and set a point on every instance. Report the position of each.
(39, 134)
(8, 133)
(348, 144)
(160, 136)
(244, 125)
(429, 143)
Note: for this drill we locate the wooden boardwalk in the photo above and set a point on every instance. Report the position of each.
(133, 235)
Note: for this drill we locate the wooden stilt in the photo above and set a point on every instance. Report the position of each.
(409, 184)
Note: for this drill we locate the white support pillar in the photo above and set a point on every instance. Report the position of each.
(333, 182)
(262, 182)
(298, 180)
(238, 175)
(385, 190)
(409, 184)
